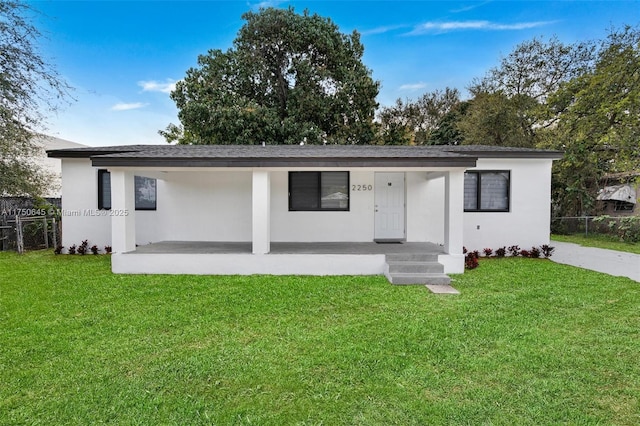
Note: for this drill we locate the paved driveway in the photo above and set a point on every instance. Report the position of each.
(608, 261)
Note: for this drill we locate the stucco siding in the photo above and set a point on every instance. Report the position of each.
(81, 219)
(299, 226)
(205, 206)
(527, 222)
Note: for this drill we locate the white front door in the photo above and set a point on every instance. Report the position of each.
(389, 206)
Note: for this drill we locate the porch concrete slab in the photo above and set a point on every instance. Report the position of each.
(227, 247)
(442, 289)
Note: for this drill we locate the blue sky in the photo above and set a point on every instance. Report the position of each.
(123, 57)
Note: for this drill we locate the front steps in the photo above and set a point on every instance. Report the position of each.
(415, 269)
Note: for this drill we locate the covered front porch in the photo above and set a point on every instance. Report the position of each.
(401, 263)
(244, 225)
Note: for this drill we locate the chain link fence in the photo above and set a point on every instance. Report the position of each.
(626, 228)
(28, 224)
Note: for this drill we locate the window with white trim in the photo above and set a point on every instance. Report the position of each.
(318, 191)
(487, 191)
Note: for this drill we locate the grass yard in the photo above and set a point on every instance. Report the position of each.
(598, 240)
(527, 342)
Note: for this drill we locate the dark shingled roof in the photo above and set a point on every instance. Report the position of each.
(295, 155)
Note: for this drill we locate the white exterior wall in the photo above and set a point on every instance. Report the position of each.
(205, 206)
(217, 206)
(81, 219)
(435, 208)
(355, 225)
(425, 207)
(527, 222)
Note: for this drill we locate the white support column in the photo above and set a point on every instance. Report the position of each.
(453, 212)
(261, 217)
(123, 211)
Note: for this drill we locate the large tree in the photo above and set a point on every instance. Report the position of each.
(288, 78)
(507, 107)
(418, 122)
(29, 87)
(598, 123)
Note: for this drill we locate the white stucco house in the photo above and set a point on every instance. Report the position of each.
(403, 211)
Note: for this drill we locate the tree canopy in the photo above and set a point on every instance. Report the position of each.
(507, 107)
(418, 122)
(597, 116)
(28, 83)
(288, 78)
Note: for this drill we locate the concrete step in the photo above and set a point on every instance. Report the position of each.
(411, 257)
(418, 279)
(415, 267)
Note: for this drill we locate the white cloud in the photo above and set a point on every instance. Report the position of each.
(470, 7)
(382, 30)
(442, 27)
(413, 86)
(157, 86)
(265, 4)
(127, 106)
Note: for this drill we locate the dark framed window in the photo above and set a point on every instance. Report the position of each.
(104, 190)
(145, 191)
(487, 191)
(318, 191)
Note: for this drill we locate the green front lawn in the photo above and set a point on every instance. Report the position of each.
(598, 240)
(527, 342)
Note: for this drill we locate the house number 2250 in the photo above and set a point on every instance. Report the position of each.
(362, 187)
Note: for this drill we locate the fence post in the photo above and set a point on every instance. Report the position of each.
(586, 226)
(19, 240)
(5, 239)
(54, 232)
(46, 232)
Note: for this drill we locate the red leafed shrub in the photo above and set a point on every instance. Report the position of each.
(487, 251)
(470, 261)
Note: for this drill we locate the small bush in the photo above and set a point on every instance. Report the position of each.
(107, 249)
(94, 249)
(58, 249)
(547, 250)
(72, 249)
(514, 250)
(487, 251)
(471, 260)
(524, 253)
(83, 247)
(534, 253)
(501, 252)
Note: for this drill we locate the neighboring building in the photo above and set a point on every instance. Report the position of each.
(53, 166)
(620, 195)
(316, 210)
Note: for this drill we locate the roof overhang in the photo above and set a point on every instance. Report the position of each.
(292, 156)
(105, 161)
